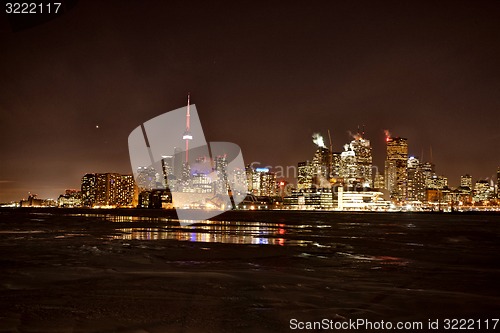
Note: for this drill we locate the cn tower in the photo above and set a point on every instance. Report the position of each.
(187, 134)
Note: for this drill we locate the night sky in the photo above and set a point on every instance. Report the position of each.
(264, 76)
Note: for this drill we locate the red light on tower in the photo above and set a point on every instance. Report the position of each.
(282, 183)
(387, 135)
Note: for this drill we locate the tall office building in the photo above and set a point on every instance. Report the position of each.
(416, 181)
(249, 175)
(436, 182)
(263, 182)
(379, 182)
(304, 175)
(390, 176)
(321, 166)
(88, 189)
(124, 191)
(108, 189)
(239, 177)
(167, 166)
(221, 184)
(348, 166)
(396, 175)
(465, 189)
(498, 183)
(466, 181)
(146, 178)
(335, 171)
(482, 191)
(200, 183)
(428, 169)
(178, 163)
(363, 152)
(94, 189)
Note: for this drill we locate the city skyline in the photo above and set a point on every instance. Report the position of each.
(73, 88)
(406, 181)
(218, 179)
(282, 172)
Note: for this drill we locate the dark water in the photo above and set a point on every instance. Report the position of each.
(255, 269)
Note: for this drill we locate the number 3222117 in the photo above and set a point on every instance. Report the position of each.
(32, 8)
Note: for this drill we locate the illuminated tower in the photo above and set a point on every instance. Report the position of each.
(186, 168)
(187, 134)
(396, 163)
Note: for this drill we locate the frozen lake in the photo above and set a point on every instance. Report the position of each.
(245, 271)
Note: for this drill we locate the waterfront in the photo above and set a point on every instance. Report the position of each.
(242, 271)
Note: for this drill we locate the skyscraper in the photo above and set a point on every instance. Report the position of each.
(335, 171)
(363, 152)
(304, 175)
(498, 183)
(437, 182)
(263, 182)
(146, 178)
(88, 189)
(465, 189)
(348, 166)
(379, 182)
(466, 181)
(396, 164)
(321, 166)
(178, 163)
(416, 181)
(482, 191)
(221, 184)
(249, 175)
(428, 169)
(167, 165)
(239, 176)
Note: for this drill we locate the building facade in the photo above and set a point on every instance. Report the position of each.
(396, 164)
(498, 183)
(363, 151)
(416, 181)
(108, 189)
(304, 175)
(482, 191)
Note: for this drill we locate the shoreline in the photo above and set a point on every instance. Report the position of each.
(230, 215)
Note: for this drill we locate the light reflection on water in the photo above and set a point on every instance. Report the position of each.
(232, 232)
(214, 231)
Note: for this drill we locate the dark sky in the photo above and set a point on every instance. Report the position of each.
(264, 76)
